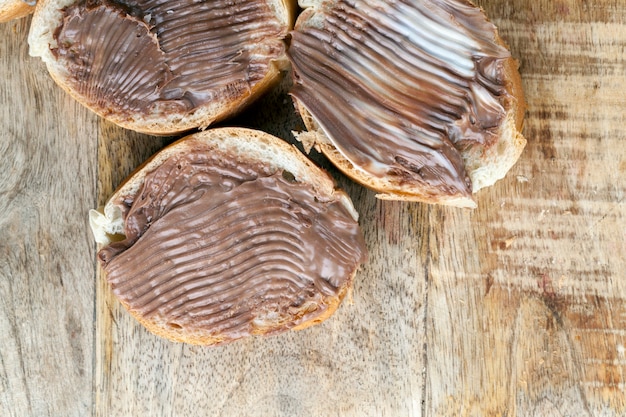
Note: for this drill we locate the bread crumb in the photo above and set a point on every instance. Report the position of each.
(508, 242)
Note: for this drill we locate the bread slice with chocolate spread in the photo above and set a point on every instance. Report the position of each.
(226, 234)
(163, 67)
(419, 101)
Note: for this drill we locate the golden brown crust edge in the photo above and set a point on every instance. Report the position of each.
(488, 164)
(14, 9)
(513, 84)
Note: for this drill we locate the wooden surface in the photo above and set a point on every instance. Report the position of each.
(514, 309)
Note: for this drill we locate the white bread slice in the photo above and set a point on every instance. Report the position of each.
(49, 16)
(14, 9)
(250, 147)
(484, 164)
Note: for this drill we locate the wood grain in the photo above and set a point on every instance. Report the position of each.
(47, 182)
(514, 309)
(531, 303)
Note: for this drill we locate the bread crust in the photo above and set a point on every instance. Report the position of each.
(251, 146)
(48, 16)
(484, 164)
(14, 9)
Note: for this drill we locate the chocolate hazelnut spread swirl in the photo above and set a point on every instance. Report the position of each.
(150, 56)
(210, 244)
(399, 87)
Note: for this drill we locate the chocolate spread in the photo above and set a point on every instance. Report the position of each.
(150, 56)
(400, 87)
(214, 245)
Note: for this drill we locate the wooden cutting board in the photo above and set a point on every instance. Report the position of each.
(514, 309)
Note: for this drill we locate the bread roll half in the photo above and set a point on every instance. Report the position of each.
(14, 9)
(225, 234)
(418, 100)
(163, 67)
